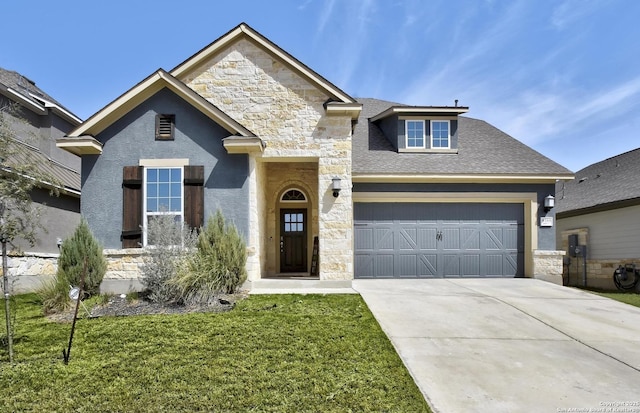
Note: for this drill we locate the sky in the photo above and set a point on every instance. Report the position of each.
(562, 76)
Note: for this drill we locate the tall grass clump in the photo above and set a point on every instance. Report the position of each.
(170, 243)
(218, 264)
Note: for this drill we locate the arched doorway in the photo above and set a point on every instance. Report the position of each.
(293, 231)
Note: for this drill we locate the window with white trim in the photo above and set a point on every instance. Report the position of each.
(415, 133)
(440, 134)
(163, 195)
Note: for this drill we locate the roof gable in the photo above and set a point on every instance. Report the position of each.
(145, 89)
(244, 31)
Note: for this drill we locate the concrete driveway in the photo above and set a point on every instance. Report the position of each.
(511, 345)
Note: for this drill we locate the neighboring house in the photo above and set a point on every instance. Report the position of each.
(43, 121)
(387, 190)
(601, 207)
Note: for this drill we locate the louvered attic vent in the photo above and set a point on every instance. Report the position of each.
(165, 127)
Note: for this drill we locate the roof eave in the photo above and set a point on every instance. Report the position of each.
(83, 145)
(243, 144)
(343, 109)
(421, 110)
(458, 178)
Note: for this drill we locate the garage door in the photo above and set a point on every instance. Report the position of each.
(423, 240)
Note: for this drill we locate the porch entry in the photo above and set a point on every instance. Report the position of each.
(293, 240)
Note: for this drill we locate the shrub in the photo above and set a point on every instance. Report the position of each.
(171, 242)
(218, 265)
(74, 250)
(54, 294)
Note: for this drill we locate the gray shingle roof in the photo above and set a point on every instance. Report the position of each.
(482, 149)
(24, 86)
(610, 181)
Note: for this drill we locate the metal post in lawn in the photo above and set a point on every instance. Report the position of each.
(7, 295)
(67, 353)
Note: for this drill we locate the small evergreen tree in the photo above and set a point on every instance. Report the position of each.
(72, 255)
(219, 264)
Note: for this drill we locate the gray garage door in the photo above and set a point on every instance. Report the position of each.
(423, 240)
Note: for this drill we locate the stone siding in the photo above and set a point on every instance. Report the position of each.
(287, 112)
(599, 271)
(547, 265)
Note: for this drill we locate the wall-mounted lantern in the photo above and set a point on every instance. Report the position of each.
(549, 203)
(336, 186)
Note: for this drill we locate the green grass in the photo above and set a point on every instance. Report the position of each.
(284, 353)
(628, 298)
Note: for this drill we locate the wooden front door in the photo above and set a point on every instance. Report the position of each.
(293, 240)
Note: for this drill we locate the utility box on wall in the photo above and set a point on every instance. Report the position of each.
(573, 244)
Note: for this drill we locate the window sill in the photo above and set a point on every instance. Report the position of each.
(427, 150)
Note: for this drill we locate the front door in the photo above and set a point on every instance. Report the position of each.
(293, 240)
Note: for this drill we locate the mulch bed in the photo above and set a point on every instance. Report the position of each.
(120, 305)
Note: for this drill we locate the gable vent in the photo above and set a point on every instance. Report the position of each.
(165, 127)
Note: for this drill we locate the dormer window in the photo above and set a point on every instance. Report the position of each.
(440, 134)
(415, 133)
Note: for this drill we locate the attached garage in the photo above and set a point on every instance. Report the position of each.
(438, 240)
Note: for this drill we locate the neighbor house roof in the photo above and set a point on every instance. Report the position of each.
(23, 90)
(608, 184)
(485, 153)
(63, 177)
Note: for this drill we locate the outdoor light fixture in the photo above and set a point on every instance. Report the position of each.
(336, 186)
(549, 203)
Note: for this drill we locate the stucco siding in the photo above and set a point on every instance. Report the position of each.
(613, 234)
(132, 138)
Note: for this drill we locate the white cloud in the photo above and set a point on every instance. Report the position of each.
(569, 11)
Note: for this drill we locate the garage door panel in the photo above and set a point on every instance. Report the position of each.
(383, 239)
(439, 240)
(494, 264)
(427, 238)
(470, 265)
(408, 239)
(451, 238)
(428, 265)
(363, 238)
(470, 238)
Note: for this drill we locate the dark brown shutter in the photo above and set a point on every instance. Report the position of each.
(132, 206)
(194, 196)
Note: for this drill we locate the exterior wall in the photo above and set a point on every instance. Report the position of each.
(60, 217)
(287, 112)
(547, 266)
(612, 238)
(132, 138)
(392, 130)
(59, 214)
(28, 271)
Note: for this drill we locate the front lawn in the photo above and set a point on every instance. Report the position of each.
(284, 353)
(628, 298)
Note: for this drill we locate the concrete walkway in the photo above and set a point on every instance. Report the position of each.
(511, 345)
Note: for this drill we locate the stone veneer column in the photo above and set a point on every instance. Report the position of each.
(547, 265)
